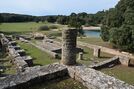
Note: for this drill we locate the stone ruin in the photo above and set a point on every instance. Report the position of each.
(18, 55)
(52, 47)
(69, 38)
(97, 52)
(119, 59)
(38, 36)
(89, 77)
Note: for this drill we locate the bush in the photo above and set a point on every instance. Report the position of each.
(53, 27)
(43, 28)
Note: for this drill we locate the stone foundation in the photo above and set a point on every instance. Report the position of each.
(33, 76)
(90, 78)
(107, 63)
(94, 79)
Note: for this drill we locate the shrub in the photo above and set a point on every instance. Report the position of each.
(53, 27)
(43, 28)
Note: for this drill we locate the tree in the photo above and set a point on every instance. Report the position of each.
(119, 25)
(74, 22)
(1, 19)
(105, 33)
(62, 20)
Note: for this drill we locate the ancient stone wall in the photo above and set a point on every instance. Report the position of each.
(94, 79)
(106, 50)
(97, 52)
(107, 63)
(124, 60)
(69, 37)
(33, 75)
(90, 78)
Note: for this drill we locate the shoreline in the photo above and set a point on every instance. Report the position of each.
(92, 28)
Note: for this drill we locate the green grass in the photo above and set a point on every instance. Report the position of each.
(95, 41)
(39, 57)
(88, 57)
(121, 72)
(23, 27)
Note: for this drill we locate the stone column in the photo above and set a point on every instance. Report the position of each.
(97, 52)
(69, 38)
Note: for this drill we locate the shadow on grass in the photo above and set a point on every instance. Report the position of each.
(104, 57)
(36, 64)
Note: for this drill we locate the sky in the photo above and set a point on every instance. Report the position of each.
(54, 7)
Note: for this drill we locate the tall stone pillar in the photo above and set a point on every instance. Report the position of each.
(97, 52)
(69, 38)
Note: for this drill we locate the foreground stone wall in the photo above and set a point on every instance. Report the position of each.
(90, 78)
(33, 75)
(94, 79)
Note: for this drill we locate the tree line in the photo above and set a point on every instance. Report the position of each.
(118, 25)
(83, 18)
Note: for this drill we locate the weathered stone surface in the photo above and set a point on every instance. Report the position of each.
(69, 46)
(124, 60)
(33, 75)
(90, 78)
(106, 63)
(94, 79)
(97, 52)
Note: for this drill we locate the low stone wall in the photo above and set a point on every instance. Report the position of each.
(107, 63)
(94, 79)
(14, 52)
(106, 50)
(32, 76)
(90, 78)
(53, 54)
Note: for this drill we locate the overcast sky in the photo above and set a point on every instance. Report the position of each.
(54, 7)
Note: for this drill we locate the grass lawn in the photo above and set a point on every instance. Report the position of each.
(39, 57)
(23, 27)
(121, 72)
(96, 41)
(88, 57)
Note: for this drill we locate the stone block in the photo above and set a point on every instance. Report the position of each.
(124, 60)
(97, 52)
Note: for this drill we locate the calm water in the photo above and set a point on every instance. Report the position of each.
(92, 33)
